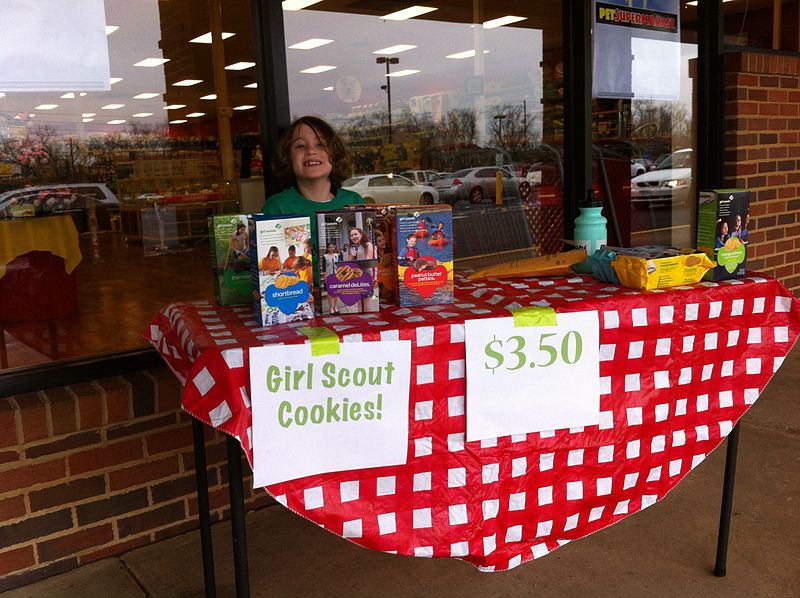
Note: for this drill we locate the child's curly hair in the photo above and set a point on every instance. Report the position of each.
(340, 157)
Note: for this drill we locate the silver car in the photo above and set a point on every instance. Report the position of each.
(668, 183)
(391, 188)
(478, 186)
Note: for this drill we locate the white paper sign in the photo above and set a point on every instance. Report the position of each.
(55, 45)
(330, 412)
(532, 378)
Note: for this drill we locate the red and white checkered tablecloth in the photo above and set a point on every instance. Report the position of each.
(678, 368)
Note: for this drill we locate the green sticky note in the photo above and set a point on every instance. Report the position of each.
(324, 341)
(534, 316)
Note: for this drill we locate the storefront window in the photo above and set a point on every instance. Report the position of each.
(768, 24)
(445, 100)
(642, 120)
(104, 195)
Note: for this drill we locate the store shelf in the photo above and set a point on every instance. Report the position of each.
(180, 222)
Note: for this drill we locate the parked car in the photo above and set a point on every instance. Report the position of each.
(421, 177)
(69, 197)
(668, 183)
(477, 186)
(391, 188)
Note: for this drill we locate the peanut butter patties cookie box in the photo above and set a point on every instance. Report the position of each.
(348, 261)
(723, 231)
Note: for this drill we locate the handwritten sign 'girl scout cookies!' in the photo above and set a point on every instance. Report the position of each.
(317, 414)
(534, 372)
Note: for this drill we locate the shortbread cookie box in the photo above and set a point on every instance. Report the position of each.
(282, 274)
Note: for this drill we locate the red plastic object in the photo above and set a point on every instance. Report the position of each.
(37, 287)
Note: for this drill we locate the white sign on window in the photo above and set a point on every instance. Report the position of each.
(636, 50)
(53, 45)
(532, 378)
(318, 414)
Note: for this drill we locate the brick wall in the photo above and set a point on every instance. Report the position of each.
(93, 470)
(762, 153)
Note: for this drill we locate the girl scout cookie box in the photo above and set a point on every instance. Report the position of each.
(230, 258)
(348, 261)
(723, 218)
(424, 241)
(282, 277)
(658, 267)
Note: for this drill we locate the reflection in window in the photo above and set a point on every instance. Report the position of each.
(462, 97)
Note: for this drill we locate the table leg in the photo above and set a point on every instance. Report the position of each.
(237, 518)
(727, 502)
(202, 507)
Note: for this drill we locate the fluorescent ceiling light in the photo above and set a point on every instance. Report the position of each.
(239, 66)
(112, 106)
(318, 69)
(243, 107)
(146, 96)
(46, 106)
(297, 4)
(503, 21)
(310, 44)
(206, 38)
(408, 13)
(2, 94)
(404, 73)
(187, 82)
(81, 94)
(68, 96)
(395, 49)
(195, 114)
(113, 80)
(116, 122)
(87, 120)
(142, 114)
(111, 29)
(329, 88)
(88, 114)
(151, 62)
(211, 96)
(174, 106)
(251, 85)
(464, 54)
(178, 121)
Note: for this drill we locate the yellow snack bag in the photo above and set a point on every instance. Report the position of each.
(657, 267)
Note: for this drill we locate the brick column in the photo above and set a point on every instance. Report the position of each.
(762, 153)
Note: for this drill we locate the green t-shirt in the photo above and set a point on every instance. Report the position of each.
(289, 201)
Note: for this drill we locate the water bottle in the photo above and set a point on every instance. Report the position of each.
(590, 230)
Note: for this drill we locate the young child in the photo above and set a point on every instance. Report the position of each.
(310, 163)
(288, 263)
(410, 253)
(302, 267)
(270, 263)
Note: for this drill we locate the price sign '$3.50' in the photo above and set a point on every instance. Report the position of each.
(532, 378)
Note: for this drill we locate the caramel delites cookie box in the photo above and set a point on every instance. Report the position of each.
(230, 258)
(348, 261)
(723, 231)
(423, 238)
(282, 277)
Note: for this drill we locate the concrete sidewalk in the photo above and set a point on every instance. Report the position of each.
(666, 550)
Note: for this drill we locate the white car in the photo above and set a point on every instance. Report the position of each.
(391, 188)
(668, 183)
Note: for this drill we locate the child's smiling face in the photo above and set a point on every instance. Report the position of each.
(310, 157)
